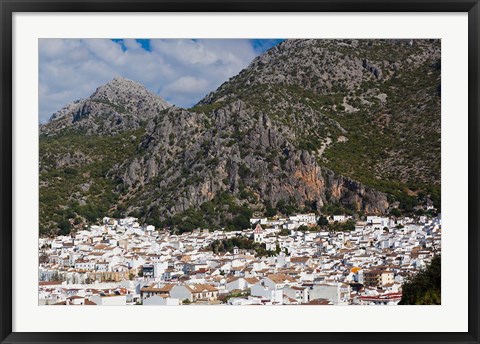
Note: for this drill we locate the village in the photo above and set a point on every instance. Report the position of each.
(278, 261)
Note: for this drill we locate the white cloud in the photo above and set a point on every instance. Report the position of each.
(188, 84)
(181, 71)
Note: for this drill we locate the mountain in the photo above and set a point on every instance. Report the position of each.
(323, 125)
(113, 107)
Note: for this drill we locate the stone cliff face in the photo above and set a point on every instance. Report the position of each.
(258, 158)
(310, 131)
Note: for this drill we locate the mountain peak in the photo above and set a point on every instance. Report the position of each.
(119, 104)
(121, 90)
(122, 81)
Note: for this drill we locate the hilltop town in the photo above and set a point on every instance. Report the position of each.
(277, 261)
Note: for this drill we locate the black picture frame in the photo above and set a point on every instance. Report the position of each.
(9, 7)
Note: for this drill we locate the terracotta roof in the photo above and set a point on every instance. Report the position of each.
(165, 289)
(299, 259)
(322, 302)
(280, 278)
(298, 288)
(61, 303)
(44, 283)
(251, 280)
(196, 288)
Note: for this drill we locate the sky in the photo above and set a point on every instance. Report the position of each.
(182, 71)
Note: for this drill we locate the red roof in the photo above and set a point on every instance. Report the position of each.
(258, 229)
(384, 297)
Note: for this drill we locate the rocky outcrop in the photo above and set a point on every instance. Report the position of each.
(259, 159)
(372, 69)
(121, 104)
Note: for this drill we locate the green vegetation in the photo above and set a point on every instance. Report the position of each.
(64, 227)
(243, 294)
(347, 226)
(424, 288)
(269, 210)
(227, 245)
(87, 178)
(223, 207)
(304, 228)
(288, 207)
(336, 208)
(117, 107)
(393, 144)
(207, 108)
(322, 221)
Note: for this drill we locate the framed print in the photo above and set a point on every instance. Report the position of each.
(244, 172)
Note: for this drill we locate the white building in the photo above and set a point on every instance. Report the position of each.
(109, 300)
(266, 293)
(261, 220)
(310, 218)
(157, 300)
(258, 234)
(336, 293)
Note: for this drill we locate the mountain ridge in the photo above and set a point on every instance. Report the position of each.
(271, 139)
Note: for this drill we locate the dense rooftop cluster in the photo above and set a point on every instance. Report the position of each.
(277, 261)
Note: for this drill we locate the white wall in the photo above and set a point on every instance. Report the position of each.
(118, 300)
(329, 292)
(181, 292)
(160, 301)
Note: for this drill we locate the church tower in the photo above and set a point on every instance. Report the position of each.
(258, 234)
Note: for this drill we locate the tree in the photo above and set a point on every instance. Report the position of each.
(277, 249)
(425, 287)
(303, 228)
(269, 210)
(64, 227)
(349, 226)
(395, 212)
(322, 221)
(342, 226)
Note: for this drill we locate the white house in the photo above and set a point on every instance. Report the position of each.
(341, 218)
(194, 292)
(266, 293)
(261, 220)
(278, 281)
(310, 218)
(157, 300)
(336, 293)
(298, 293)
(109, 300)
(240, 283)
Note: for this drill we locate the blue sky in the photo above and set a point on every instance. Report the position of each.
(182, 71)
